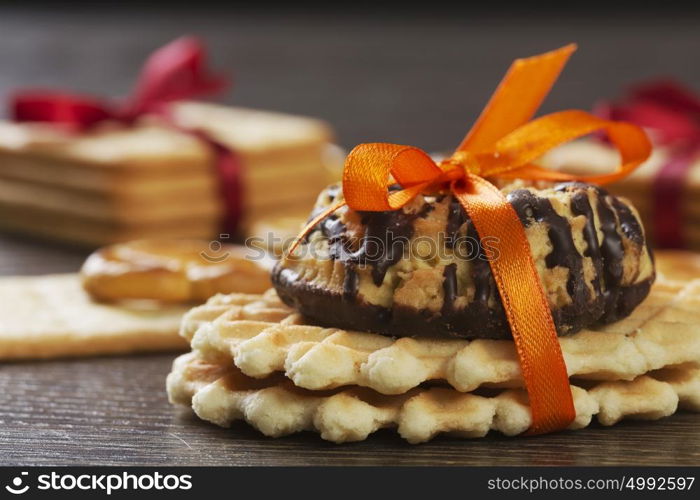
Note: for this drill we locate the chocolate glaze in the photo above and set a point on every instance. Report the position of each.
(480, 272)
(449, 288)
(325, 308)
(456, 218)
(581, 206)
(484, 284)
(533, 209)
(483, 316)
(612, 252)
(351, 282)
(631, 227)
(530, 209)
(387, 235)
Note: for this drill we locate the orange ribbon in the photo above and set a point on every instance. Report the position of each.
(503, 143)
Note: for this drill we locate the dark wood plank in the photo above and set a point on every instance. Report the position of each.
(114, 411)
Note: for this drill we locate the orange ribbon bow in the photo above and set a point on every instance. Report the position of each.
(502, 143)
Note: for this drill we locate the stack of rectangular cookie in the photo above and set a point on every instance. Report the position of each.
(115, 184)
(254, 359)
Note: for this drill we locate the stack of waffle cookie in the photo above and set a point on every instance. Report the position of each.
(257, 360)
(116, 184)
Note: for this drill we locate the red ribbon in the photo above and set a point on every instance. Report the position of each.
(175, 72)
(673, 113)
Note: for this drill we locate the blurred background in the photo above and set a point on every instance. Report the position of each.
(406, 74)
(413, 75)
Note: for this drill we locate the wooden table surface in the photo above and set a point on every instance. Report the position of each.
(374, 79)
(114, 410)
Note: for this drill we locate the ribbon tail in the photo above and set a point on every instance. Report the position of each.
(517, 98)
(514, 153)
(525, 304)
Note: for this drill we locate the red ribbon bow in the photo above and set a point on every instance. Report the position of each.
(175, 72)
(673, 113)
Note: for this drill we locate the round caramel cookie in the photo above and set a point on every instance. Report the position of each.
(423, 270)
(174, 271)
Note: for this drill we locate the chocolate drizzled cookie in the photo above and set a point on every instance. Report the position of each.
(423, 270)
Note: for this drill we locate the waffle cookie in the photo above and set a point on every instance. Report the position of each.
(423, 271)
(221, 394)
(261, 336)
